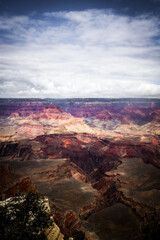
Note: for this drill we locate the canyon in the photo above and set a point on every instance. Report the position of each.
(97, 161)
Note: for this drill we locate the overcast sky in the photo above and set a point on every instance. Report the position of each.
(59, 49)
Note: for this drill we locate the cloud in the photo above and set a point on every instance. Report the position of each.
(92, 53)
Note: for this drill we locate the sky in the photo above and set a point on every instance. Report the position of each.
(70, 49)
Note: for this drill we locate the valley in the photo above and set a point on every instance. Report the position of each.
(97, 160)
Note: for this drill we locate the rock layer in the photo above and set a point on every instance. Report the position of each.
(106, 152)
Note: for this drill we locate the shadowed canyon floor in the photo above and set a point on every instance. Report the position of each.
(98, 161)
(114, 222)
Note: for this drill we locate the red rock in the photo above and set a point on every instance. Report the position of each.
(21, 187)
(67, 142)
(67, 221)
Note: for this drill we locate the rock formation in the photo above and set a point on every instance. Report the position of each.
(92, 158)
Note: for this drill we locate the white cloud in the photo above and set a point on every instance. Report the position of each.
(92, 53)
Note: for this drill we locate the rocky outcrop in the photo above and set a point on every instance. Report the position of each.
(7, 178)
(22, 186)
(53, 233)
(15, 149)
(68, 221)
(12, 184)
(62, 171)
(50, 112)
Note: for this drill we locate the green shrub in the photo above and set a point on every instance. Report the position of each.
(24, 217)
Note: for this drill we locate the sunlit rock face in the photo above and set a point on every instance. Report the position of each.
(91, 157)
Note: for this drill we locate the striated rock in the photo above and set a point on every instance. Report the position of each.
(22, 186)
(23, 107)
(91, 236)
(67, 221)
(15, 149)
(14, 115)
(105, 115)
(7, 178)
(12, 183)
(62, 171)
(53, 233)
(50, 112)
(83, 155)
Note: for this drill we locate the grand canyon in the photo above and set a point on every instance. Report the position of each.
(97, 161)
